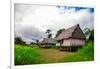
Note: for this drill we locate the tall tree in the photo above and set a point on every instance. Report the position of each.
(48, 31)
(87, 31)
(37, 42)
(89, 34)
(50, 35)
(91, 37)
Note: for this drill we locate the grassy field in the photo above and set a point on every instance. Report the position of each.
(53, 55)
(35, 55)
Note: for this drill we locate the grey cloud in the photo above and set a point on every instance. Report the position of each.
(29, 32)
(22, 10)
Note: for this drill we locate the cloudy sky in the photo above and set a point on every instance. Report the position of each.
(32, 21)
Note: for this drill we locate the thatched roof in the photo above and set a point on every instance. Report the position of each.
(49, 40)
(73, 32)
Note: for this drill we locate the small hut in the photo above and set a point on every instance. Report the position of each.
(71, 38)
(47, 42)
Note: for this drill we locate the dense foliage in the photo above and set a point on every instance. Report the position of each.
(59, 32)
(89, 34)
(18, 40)
(83, 54)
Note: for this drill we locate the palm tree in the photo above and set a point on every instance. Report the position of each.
(37, 42)
(48, 31)
(89, 34)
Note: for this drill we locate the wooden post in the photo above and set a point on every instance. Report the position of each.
(72, 49)
(69, 49)
(66, 48)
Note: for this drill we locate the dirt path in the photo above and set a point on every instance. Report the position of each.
(52, 55)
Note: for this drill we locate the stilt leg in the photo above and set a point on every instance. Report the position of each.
(70, 49)
(67, 49)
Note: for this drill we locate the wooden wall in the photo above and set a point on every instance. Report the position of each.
(73, 42)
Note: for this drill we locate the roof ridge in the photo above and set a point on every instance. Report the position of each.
(73, 26)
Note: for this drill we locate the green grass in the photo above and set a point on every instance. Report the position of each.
(31, 54)
(83, 54)
(26, 55)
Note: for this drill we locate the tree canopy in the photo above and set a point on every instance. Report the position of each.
(89, 33)
(18, 40)
(48, 31)
(59, 32)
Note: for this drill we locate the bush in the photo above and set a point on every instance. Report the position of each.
(83, 54)
(87, 50)
(18, 40)
(26, 55)
(52, 46)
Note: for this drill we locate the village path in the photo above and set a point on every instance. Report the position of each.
(53, 55)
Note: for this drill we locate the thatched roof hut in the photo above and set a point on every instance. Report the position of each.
(47, 42)
(72, 36)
